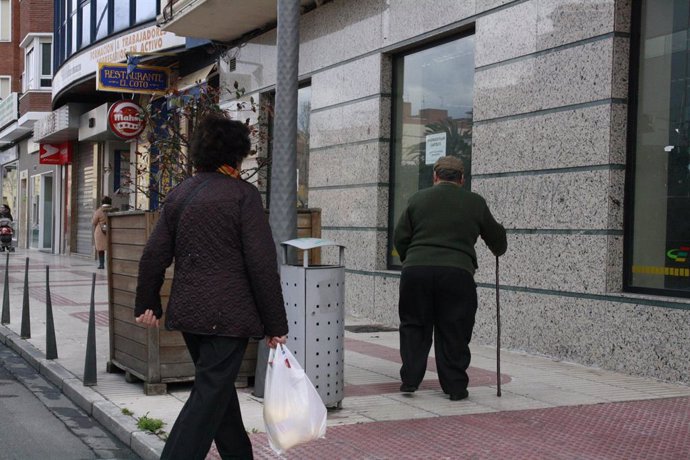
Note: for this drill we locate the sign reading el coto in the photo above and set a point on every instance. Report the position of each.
(140, 79)
(126, 119)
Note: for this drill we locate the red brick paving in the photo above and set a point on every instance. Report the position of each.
(644, 430)
(478, 377)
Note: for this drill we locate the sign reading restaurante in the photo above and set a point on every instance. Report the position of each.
(141, 79)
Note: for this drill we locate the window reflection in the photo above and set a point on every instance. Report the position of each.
(432, 118)
(661, 227)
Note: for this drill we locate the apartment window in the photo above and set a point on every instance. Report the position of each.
(303, 119)
(46, 65)
(432, 117)
(29, 69)
(5, 86)
(5, 20)
(658, 227)
(38, 68)
(80, 23)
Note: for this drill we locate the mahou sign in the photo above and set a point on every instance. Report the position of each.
(126, 119)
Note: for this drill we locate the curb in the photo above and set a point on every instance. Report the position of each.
(147, 445)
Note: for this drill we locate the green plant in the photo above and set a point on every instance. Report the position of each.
(162, 158)
(152, 425)
(126, 411)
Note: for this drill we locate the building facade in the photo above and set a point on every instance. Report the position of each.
(95, 160)
(571, 118)
(29, 186)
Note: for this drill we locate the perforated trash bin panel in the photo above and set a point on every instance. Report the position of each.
(314, 302)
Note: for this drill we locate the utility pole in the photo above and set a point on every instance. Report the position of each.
(283, 194)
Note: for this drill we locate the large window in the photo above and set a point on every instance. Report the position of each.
(79, 23)
(658, 243)
(302, 160)
(38, 68)
(5, 86)
(432, 117)
(5, 21)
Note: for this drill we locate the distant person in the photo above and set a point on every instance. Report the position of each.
(225, 287)
(5, 212)
(435, 237)
(100, 229)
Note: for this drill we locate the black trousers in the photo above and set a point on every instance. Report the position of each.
(438, 301)
(212, 411)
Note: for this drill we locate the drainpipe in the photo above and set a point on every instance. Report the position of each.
(283, 194)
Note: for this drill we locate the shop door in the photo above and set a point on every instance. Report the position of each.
(85, 201)
(41, 233)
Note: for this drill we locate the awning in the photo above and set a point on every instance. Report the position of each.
(195, 78)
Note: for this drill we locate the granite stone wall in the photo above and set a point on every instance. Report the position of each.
(549, 155)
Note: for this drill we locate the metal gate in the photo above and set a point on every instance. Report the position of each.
(86, 200)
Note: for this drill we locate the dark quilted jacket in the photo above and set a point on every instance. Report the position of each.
(226, 280)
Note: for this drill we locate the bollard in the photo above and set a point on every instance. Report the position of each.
(51, 343)
(6, 294)
(26, 317)
(90, 362)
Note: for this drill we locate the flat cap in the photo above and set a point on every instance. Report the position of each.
(449, 164)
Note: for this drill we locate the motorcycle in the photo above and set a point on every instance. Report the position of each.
(6, 234)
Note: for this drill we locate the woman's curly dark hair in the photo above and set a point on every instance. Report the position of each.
(218, 140)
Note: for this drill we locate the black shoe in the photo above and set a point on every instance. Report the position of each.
(459, 396)
(101, 267)
(405, 388)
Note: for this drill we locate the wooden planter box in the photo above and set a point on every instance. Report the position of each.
(158, 356)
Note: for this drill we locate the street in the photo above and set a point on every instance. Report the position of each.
(39, 422)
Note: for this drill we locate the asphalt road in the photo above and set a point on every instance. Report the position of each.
(38, 422)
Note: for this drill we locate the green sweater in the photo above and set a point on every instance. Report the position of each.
(440, 227)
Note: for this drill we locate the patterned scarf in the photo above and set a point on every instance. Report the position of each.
(228, 171)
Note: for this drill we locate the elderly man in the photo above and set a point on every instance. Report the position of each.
(435, 238)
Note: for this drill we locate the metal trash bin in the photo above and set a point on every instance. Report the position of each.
(314, 301)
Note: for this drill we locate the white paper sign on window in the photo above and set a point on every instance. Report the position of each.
(435, 147)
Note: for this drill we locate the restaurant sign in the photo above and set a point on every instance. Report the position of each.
(140, 79)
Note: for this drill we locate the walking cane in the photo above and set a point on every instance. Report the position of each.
(498, 336)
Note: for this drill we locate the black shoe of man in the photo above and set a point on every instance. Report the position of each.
(405, 388)
(459, 396)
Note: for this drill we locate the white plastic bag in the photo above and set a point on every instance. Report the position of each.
(293, 410)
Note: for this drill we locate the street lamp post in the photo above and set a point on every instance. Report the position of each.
(283, 194)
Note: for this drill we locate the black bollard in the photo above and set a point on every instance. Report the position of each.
(90, 362)
(51, 343)
(26, 317)
(6, 294)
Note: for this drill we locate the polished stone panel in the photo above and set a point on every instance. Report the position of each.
(365, 206)
(386, 301)
(518, 22)
(505, 90)
(359, 295)
(616, 196)
(485, 5)
(352, 80)
(573, 200)
(568, 76)
(407, 19)
(364, 163)
(614, 265)
(360, 248)
(360, 121)
(621, 67)
(619, 133)
(338, 31)
(567, 21)
(574, 75)
(635, 339)
(573, 263)
(563, 139)
(623, 15)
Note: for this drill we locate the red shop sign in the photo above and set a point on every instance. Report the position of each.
(55, 154)
(126, 119)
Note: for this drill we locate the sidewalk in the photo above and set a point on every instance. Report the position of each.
(548, 409)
